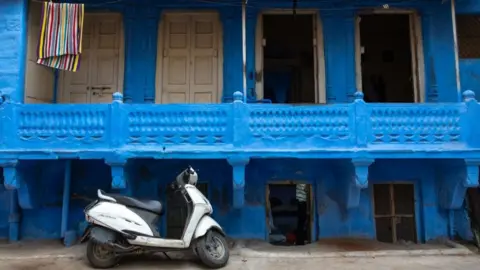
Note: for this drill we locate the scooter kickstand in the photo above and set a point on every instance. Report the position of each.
(166, 255)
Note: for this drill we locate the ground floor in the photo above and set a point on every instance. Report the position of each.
(409, 200)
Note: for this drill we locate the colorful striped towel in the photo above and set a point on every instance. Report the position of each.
(60, 43)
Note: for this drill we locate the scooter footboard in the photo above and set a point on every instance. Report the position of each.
(207, 223)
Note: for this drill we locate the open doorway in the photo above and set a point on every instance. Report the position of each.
(289, 58)
(394, 205)
(388, 55)
(289, 221)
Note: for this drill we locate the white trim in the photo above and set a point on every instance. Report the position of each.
(455, 47)
(319, 53)
(416, 48)
(160, 45)
(121, 57)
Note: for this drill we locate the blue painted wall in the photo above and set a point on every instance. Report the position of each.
(356, 126)
(150, 178)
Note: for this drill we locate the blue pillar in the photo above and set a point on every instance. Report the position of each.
(141, 32)
(150, 33)
(14, 217)
(12, 183)
(238, 164)
(439, 54)
(232, 51)
(13, 48)
(68, 236)
(339, 43)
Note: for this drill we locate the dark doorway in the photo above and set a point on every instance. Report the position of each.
(289, 57)
(177, 212)
(289, 220)
(386, 58)
(395, 212)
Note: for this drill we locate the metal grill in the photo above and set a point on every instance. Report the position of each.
(468, 31)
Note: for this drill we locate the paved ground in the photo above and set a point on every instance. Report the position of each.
(236, 263)
(331, 255)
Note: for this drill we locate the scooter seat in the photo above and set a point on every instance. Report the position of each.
(149, 205)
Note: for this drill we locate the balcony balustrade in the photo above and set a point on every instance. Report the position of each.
(240, 127)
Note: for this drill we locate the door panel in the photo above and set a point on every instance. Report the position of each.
(97, 77)
(394, 206)
(190, 58)
(176, 59)
(76, 83)
(204, 67)
(106, 61)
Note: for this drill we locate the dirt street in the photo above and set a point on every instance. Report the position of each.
(157, 262)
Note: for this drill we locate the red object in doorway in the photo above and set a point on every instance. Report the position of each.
(291, 238)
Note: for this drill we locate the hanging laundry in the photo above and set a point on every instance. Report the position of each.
(60, 42)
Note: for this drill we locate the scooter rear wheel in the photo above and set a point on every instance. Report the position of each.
(101, 256)
(212, 249)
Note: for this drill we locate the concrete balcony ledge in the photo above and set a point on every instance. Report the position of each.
(221, 129)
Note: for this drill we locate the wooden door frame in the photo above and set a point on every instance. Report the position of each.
(160, 48)
(311, 236)
(121, 57)
(391, 192)
(416, 49)
(319, 53)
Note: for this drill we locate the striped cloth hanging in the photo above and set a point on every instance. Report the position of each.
(60, 43)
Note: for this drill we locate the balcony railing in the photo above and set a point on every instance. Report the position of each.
(239, 126)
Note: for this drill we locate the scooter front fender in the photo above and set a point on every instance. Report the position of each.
(207, 223)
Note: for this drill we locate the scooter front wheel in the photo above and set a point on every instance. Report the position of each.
(101, 256)
(212, 249)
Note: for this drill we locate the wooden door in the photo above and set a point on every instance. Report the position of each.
(105, 59)
(97, 77)
(204, 62)
(190, 58)
(395, 212)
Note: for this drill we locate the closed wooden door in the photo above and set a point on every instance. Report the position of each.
(190, 58)
(98, 76)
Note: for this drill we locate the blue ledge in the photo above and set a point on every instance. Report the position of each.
(164, 130)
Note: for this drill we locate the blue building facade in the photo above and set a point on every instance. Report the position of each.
(357, 147)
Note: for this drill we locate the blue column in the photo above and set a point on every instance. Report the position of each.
(68, 236)
(149, 52)
(13, 48)
(439, 54)
(141, 28)
(238, 164)
(339, 43)
(232, 51)
(12, 182)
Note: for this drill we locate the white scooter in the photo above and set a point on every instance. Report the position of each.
(120, 225)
